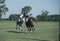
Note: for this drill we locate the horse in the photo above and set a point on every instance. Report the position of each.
(29, 24)
(20, 21)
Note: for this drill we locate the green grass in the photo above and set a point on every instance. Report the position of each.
(45, 31)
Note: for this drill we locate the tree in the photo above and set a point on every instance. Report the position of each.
(38, 17)
(26, 10)
(13, 17)
(45, 15)
(3, 8)
(2, 1)
(34, 19)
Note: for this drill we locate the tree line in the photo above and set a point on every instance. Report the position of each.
(12, 17)
(3, 8)
(25, 10)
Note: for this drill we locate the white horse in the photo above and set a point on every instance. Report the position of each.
(20, 22)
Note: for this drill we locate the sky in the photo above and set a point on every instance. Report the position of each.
(15, 6)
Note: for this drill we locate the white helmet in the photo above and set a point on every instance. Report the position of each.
(21, 15)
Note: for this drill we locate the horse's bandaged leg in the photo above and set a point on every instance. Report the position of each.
(20, 28)
(33, 29)
(17, 27)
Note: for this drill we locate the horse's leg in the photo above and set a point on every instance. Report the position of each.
(28, 28)
(20, 27)
(33, 29)
(17, 27)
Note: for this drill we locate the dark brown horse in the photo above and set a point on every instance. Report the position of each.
(30, 25)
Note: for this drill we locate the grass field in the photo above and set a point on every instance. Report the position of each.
(45, 31)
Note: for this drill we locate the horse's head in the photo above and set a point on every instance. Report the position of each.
(21, 16)
(22, 19)
(30, 19)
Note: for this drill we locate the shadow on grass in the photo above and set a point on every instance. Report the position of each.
(16, 32)
(33, 39)
(26, 38)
